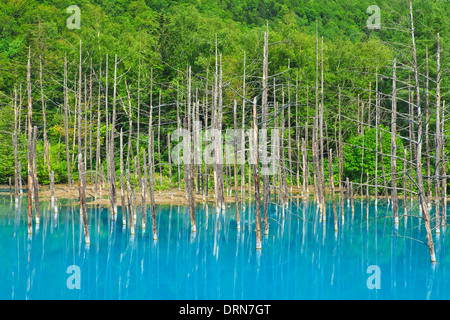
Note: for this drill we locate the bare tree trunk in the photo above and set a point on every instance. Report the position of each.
(152, 197)
(112, 166)
(20, 178)
(330, 168)
(179, 127)
(134, 206)
(205, 192)
(289, 136)
(264, 106)
(44, 118)
(150, 162)
(321, 150)
(170, 166)
(383, 168)
(283, 182)
(97, 156)
(341, 162)
(66, 124)
(85, 122)
(256, 178)
(138, 138)
(427, 129)
(30, 147)
(444, 172)
(159, 139)
(82, 194)
(15, 146)
(144, 184)
(297, 134)
(35, 177)
(90, 124)
(52, 187)
(304, 159)
(352, 202)
(243, 140)
(79, 104)
(376, 138)
(122, 187)
(306, 178)
(367, 196)
(317, 193)
(190, 165)
(236, 183)
(438, 136)
(129, 199)
(394, 144)
(196, 136)
(419, 144)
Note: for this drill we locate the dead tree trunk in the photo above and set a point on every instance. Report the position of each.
(394, 196)
(90, 123)
(341, 161)
(152, 197)
(82, 194)
(15, 145)
(383, 168)
(444, 172)
(66, 124)
(439, 146)
(52, 187)
(44, 118)
(97, 156)
(330, 170)
(80, 119)
(170, 166)
(264, 106)
(122, 187)
(35, 177)
(138, 124)
(150, 162)
(112, 166)
(376, 139)
(297, 134)
(256, 178)
(427, 128)
(405, 193)
(159, 138)
(178, 127)
(129, 200)
(321, 150)
(305, 164)
(190, 165)
(30, 147)
(419, 144)
(236, 183)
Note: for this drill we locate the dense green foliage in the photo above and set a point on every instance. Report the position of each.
(362, 160)
(169, 35)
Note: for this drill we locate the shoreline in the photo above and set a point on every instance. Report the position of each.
(162, 197)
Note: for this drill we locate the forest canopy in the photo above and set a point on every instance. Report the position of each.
(167, 36)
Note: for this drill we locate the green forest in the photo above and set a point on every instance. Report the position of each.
(156, 41)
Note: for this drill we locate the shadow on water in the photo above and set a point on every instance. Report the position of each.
(301, 258)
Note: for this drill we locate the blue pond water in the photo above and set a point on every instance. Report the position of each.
(300, 259)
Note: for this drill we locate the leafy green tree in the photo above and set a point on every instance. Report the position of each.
(360, 155)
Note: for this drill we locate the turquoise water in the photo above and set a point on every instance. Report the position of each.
(300, 259)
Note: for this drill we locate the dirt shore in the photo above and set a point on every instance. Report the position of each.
(174, 197)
